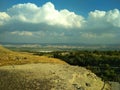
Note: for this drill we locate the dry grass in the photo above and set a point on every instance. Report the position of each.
(8, 57)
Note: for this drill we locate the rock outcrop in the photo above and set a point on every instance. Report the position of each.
(46, 76)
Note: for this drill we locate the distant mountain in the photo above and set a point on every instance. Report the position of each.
(68, 44)
(65, 46)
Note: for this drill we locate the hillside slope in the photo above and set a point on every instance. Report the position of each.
(46, 76)
(8, 57)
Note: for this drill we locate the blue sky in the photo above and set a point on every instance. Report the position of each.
(77, 6)
(60, 21)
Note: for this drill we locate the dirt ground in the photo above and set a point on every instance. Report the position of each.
(46, 76)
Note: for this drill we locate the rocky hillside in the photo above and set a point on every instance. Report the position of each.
(46, 76)
(43, 73)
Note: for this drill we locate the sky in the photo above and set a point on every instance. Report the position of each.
(60, 21)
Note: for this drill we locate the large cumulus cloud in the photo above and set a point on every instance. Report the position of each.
(47, 24)
(103, 19)
(30, 13)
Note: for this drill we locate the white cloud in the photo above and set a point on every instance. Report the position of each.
(22, 33)
(88, 35)
(102, 19)
(113, 17)
(4, 17)
(46, 14)
(96, 36)
(47, 23)
(55, 34)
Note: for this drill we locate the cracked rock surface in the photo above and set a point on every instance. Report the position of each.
(46, 76)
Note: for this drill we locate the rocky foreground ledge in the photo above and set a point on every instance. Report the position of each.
(46, 76)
